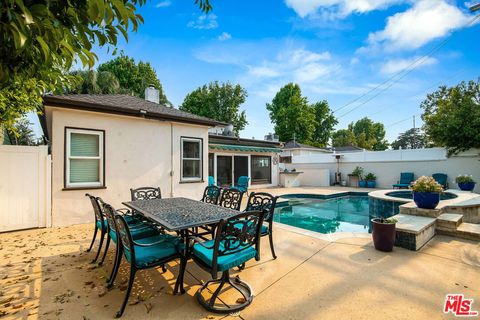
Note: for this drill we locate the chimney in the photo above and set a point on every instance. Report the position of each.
(152, 94)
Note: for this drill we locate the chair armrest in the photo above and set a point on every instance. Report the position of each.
(155, 243)
(124, 211)
(201, 242)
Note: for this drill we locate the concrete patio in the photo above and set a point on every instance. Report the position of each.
(46, 274)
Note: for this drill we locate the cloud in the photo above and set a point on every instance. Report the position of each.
(337, 8)
(395, 65)
(205, 21)
(163, 4)
(224, 36)
(425, 21)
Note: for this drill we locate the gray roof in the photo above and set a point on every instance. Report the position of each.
(125, 105)
(294, 144)
(218, 139)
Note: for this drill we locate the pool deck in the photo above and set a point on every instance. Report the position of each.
(46, 274)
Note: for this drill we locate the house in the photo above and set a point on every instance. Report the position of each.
(107, 144)
(231, 157)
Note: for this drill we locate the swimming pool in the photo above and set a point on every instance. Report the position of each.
(346, 212)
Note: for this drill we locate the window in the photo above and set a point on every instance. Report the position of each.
(84, 158)
(261, 169)
(191, 153)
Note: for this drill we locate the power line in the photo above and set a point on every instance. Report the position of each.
(400, 121)
(400, 74)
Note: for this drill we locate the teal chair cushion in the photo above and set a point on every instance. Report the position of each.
(136, 233)
(145, 256)
(101, 224)
(225, 262)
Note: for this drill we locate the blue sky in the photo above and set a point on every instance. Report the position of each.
(336, 50)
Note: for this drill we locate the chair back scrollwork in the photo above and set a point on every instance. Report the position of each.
(125, 237)
(231, 198)
(262, 201)
(145, 193)
(211, 194)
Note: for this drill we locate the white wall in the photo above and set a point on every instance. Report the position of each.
(138, 152)
(387, 165)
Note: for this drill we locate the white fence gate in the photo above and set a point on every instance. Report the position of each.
(25, 187)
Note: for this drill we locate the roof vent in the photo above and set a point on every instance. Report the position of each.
(152, 94)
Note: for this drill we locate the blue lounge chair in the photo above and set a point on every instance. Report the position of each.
(211, 181)
(406, 178)
(242, 184)
(442, 179)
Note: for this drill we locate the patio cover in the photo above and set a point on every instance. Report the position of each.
(230, 147)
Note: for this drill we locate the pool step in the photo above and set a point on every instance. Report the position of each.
(470, 231)
(449, 222)
(413, 232)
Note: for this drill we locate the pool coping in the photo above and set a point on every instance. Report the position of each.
(330, 237)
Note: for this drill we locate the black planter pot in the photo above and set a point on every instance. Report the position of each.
(383, 235)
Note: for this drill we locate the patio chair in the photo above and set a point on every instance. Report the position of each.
(242, 184)
(148, 253)
(100, 225)
(146, 193)
(406, 178)
(139, 230)
(211, 181)
(231, 198)
(211, 194)
(442, 179)
(233, 245)
(265, 202)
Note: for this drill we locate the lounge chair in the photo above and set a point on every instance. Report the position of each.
(242, 184)
(442, 179)
(406, 178)
(211, 181)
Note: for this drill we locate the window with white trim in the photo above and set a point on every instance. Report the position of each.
(84, 158)
(191, 159)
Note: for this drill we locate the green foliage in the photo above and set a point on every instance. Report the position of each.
(426, 184)
(294, 117)
(386, 220)
(343, 138)
(370, 177)
(464, 178)
(23, 133)
(219, 101)
(133, 78)
(452, 116)
(358, 172)
(93, 82)
(413, 138)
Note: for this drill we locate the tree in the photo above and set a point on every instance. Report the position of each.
(343, 138)
(413, 138)
(368, 134)
(325, 123)
(41, 39)
(291, 115)
(219, 101)
(23, 133)
(452, 116)
(134, 78)
(94, 82)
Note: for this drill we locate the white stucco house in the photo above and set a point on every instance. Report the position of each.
(107, 144)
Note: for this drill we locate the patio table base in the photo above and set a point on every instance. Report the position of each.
(236, 284)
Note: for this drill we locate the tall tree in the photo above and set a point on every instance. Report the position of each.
(291, 115)
(23, 133)
(132, 77)
(343, 138)
(325, 123)
(413, 138)
(452, 116)
(41, 39)
(94, 82)
(369, 135)
(219, 101)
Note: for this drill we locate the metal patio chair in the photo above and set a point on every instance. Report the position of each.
(146, 193)
(100, 225)
(242, 184)
(231, 198)
(236, 242)
(148, 253)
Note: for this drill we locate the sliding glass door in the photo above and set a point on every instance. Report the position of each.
(230, 168)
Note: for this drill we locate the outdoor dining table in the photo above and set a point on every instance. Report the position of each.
(180, 214)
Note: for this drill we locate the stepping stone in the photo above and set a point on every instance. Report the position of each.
(413, 232)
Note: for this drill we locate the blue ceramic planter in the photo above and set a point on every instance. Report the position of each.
(466, 186)
(426, 200)
(362, 184)
(371, 184)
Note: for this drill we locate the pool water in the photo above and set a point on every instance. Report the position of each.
(341, 214)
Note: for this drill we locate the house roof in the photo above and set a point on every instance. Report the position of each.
(125, 105)
(292, 144)
(345, 149)
(214, 139)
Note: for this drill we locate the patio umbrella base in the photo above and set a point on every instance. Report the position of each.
(236, 284)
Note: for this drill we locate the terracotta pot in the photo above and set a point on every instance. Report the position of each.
(383, 235)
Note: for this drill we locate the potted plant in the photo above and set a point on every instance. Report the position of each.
(383, 233)
(371, 180)
(358, 172)
(426, 192)
(465, 182)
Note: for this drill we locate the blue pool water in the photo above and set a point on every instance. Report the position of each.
(344, 213)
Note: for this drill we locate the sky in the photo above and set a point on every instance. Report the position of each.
(367, 58)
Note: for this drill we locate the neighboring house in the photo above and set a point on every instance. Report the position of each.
(345, 149)
(231, 157)
(107, 144)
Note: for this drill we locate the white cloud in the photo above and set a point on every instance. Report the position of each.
(163, 4)
(395, 65)
(224, 36)
(263, 72)
(425, 21)
(340, 8)
(205, 21)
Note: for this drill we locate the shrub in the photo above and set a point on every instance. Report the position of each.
(358, 172)
(370, 177)
(426, 184)
(464, 178)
